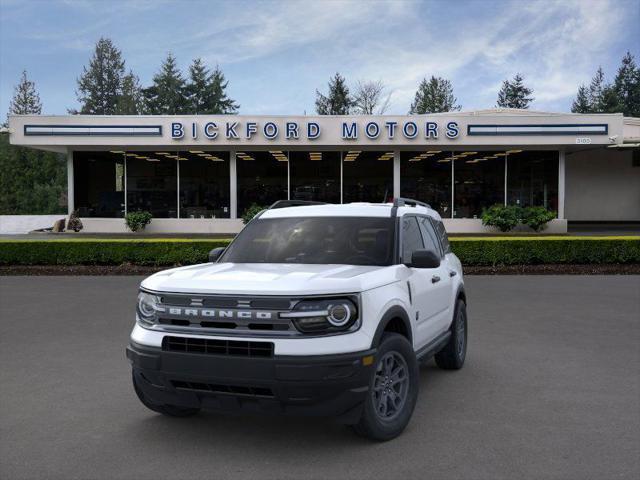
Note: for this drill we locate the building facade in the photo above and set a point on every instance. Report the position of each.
(201, 173)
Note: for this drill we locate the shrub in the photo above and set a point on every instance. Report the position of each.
(74, 223)
(537, 217)
(137, 220)
(503, 217)
(251, 212)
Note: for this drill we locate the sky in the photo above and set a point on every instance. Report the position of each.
(275, 54)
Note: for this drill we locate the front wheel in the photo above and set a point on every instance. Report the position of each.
(393, 390)
(452, 356)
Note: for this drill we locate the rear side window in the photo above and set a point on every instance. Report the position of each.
(442, 233)
(411, 238)
(430, 238)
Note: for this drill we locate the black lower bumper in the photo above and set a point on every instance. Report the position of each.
(326, 385)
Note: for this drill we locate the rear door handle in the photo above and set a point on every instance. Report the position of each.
(452, 273)
(435, 279)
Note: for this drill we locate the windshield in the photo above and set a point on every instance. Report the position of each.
(342, 240)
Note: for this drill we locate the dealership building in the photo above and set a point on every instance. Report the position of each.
(198, 174)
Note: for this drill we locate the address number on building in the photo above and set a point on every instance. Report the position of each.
(583, 141)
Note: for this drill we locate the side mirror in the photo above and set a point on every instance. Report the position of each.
(424, 259)
(214, 254)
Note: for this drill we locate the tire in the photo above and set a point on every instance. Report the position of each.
(169, 410)
(452, 356)
(385, 414)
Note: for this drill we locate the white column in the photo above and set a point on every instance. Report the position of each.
(506, 167)
(341, 177)
(453, 184)
(561, 177)
(177, 188)
(396, 173)
(70, 186)
(233, 185)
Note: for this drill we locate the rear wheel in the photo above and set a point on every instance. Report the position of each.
(452, 356)
(393, 390)
(169, 410)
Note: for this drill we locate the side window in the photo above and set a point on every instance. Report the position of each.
(442, 233)
(430, 239)
(411, 238)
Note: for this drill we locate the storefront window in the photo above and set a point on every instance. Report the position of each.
(367, 176)
(426, 176)
(204, 184)
(315, 176)
(532, 178)
(99, 184)
(262, 178)
(152, 183)
(478, 182)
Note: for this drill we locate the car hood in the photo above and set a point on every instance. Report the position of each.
(271, 279)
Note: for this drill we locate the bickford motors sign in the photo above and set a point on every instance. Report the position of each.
(294, 130)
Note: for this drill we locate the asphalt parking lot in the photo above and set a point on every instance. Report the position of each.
(551, 389)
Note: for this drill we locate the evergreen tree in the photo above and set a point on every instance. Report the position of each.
(514, 94)
(196, 89)
(206, 91)
(130, 101)
(218, 101)
(31, 181)
(338, 101)
(167, 95)
(433, 96)
(25, 99)
(627, 86)
(100, 85)
(581, 104)
(596, 91)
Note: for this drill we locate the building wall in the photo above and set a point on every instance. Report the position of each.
(602, 185)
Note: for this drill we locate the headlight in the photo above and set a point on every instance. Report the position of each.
(147, 307)
(324, 315)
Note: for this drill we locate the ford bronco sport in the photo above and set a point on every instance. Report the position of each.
(313, 309)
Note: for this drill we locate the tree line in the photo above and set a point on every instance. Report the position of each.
(106, 88)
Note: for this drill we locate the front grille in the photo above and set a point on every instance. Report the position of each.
(217, 347)
(228, 389)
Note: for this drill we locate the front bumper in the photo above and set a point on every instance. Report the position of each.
(322, 385)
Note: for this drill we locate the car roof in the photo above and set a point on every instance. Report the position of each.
(360, 209)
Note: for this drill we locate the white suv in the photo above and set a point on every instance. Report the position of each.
(313, 309)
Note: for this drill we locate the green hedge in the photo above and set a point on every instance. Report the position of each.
(532, 251)
(107, 252)
(471, 251)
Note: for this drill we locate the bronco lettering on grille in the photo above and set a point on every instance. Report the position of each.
(213, 313)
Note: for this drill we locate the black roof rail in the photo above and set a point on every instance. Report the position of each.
(293, 203)
(401, 202)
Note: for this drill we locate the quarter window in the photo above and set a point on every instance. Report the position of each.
(444, 238)
(429, 236)
(411, 238)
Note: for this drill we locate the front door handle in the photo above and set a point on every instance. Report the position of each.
(452, 273)
(435, 279)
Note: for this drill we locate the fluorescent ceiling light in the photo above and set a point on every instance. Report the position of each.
(514, 151)
(162, 153)
(196, 151)
(116, 151)
(434, 151)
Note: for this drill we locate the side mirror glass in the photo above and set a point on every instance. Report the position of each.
(214, 254)
(425, 259)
